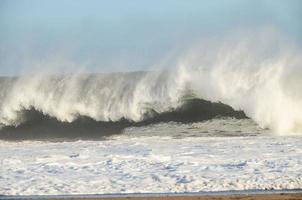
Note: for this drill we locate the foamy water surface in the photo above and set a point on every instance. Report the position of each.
(134, 163)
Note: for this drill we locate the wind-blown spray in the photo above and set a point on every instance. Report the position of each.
(259, 73)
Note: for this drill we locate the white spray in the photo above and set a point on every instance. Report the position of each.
(259, 73)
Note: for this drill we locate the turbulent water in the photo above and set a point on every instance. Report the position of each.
(91, 106)
(210, 122)
(264, 82)
(216, 155)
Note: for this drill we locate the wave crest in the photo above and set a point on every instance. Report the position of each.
(36, 125)
(262, 80)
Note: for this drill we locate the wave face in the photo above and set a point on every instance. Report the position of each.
(101, 97)
(38, 126)
(265, 81)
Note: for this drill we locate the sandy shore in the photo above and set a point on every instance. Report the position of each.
(219, 197)
(276, 196)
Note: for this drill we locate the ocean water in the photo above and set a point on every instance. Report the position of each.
(226, 117)
(215, 155)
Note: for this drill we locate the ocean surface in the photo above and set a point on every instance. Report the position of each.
(215, 155)
(147, 132)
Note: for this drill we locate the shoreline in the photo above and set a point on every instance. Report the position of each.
(294, 194)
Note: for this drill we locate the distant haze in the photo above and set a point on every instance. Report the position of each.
(123, 35)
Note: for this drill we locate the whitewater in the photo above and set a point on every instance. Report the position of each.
(265, 82)
(177, 158)
(224, 114)
(216, 155)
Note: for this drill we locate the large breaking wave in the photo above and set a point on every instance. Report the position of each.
(94, 105)
(265, 81)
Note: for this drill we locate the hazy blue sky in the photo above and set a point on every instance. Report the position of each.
(127, 34)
